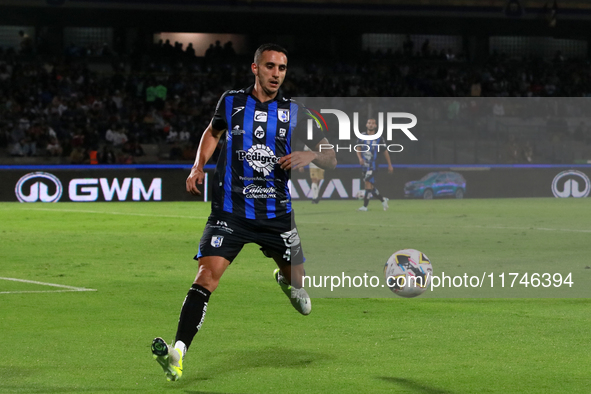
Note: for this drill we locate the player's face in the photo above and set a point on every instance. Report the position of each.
(371, 126)
(270, 71)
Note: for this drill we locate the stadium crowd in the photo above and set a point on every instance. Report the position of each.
(63, 107)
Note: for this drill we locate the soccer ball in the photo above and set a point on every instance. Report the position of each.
(408, 273)
(361, 194)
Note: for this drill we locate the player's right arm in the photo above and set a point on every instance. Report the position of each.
(360, 156)
(361, 162)
(209, 141)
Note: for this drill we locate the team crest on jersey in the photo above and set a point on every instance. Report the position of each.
(260, 116)
(259, 157)
(283, 115)
(216, 241)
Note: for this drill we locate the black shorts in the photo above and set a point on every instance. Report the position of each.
(225, 234)
(368, 175)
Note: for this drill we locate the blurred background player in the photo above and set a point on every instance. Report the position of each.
(368, 160)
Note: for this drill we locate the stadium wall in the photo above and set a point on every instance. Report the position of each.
(167, 182)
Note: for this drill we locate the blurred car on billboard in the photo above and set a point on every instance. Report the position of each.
(437, 184)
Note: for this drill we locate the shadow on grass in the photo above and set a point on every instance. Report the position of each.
(204, 392)
(414, 386)
(227, 363)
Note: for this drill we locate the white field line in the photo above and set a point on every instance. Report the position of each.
(473, 226)
(531, 228)
(68, 288)
(314, 222)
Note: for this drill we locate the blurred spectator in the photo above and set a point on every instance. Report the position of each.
(17, 140)
(190, 51)
(184, 136)
(173, 136)
(528, 152)
(161, 93)
(77, 156)
(228, 52)
(133, 149)
(116, 135)
(117, 99)
(209, 52)
(107, 156)
(513, 150)
(33, 137)
(53, 148)
(4, 72)
(93, 156)
(408, 46)
(26, 43)
(426, 48)
(151, 92)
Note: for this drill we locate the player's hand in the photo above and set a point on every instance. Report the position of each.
(390, 169)
(296, 160)
(195, 178)
(361, 162)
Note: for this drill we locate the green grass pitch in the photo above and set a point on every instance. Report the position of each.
(138, 258)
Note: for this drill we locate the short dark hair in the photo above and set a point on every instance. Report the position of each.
(268, 47)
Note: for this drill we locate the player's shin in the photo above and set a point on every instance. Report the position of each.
(366, 197)
(377, 194)
(314, 189)
(192, 314)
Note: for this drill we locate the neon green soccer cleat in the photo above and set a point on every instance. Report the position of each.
(298, 297)
(169, 358)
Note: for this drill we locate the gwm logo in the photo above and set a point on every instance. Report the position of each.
(571, 183)
(345, 130)
(45, 187)
(40, 185)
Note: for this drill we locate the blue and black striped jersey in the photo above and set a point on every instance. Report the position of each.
(370, 156)
(248, 181)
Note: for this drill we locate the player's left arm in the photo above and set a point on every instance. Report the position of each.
(324, 158)
(322, 154)
(390, 168)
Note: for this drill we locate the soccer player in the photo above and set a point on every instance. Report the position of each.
(251, 202)
(368, 160)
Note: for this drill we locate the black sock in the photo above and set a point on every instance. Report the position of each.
(366, 198)
(376, 193)
(192, 314)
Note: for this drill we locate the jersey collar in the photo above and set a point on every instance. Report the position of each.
(278, 97)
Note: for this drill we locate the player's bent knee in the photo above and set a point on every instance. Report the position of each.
(205, 278)
(210, 272)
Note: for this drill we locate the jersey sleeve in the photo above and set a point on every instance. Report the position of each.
(218, 121)
(301, 131)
